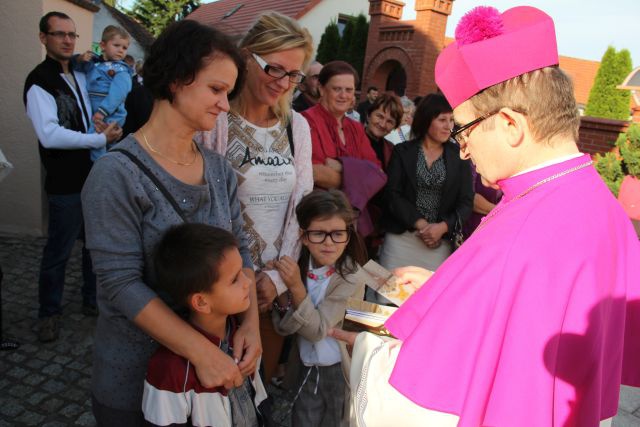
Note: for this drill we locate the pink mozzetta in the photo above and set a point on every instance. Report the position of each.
(524, 42)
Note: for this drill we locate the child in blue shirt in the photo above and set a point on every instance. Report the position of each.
(108, 81)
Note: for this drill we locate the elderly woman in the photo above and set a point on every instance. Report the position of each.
(269, 148)
(158, 177)
(429, 191)
(332, 133)
(383, 116)
(342, 154)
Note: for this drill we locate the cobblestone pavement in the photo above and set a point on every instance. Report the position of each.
(48, 384)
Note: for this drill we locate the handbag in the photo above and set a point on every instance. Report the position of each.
(457, 238)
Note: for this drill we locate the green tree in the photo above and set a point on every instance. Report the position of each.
(329, 44)
(155, 15)
(358, 43)
(351, 47)
(344, 49)
(605, 100)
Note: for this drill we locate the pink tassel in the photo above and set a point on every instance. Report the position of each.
(480, 23)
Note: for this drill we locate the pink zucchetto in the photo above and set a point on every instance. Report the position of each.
(491, 47)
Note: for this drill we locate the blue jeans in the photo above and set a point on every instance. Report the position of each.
(65, 227)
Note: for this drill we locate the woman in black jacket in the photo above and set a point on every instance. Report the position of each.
(429, 190)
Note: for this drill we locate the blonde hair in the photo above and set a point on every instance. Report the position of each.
(110, 31)
(274, 32)
(545, 96)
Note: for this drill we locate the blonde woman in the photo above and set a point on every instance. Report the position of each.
(269, 147)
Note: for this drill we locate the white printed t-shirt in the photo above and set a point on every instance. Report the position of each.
(266, 177)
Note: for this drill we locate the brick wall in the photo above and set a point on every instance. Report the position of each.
(599, 135)
(413, 44)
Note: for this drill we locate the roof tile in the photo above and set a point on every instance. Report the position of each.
(242, 19)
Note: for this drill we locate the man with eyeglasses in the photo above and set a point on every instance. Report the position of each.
(57, 103)
(535, 320)
(308, 90)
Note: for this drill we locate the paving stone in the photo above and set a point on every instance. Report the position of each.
(17, 372)
(624, 419)
(52, 405)
(34, 379)
(19, 391)
(71, 411)
(36, 398)
(52, 369)
(45, 354)
(11, 408)
(36, 363)
(77, 365)
(16, 357)
(30, 419)
(62, 360)
(629, 399)
(78, 396)
(54, 424)
(86, 419)
(53, 386)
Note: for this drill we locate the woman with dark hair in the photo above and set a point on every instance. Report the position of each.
(342, 155)
(383, 116)
(429, 190)
(156, 178)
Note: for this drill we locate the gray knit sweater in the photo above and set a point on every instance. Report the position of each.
(125, 216)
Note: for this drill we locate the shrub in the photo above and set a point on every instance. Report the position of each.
(605, 100)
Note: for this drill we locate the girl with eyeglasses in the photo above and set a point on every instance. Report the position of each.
(319, 285)
(269, 147)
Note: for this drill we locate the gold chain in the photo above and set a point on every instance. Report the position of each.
(153, 150)
(495, 211)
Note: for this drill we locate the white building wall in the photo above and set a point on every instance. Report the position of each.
(317, 19)
(21, 192)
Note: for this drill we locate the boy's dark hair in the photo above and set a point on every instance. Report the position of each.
(187, 259)
(181, 51)
(321, 204)
(337, 68)
(370, 88)
(430, 107)
(44, 21)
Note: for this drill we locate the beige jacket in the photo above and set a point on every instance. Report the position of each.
(313, 323)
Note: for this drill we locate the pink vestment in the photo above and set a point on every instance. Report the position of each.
(535, 320)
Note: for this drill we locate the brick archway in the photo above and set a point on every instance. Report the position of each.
(377, 71)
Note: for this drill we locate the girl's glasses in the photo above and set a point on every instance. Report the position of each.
(319, 236)
(277, 72)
